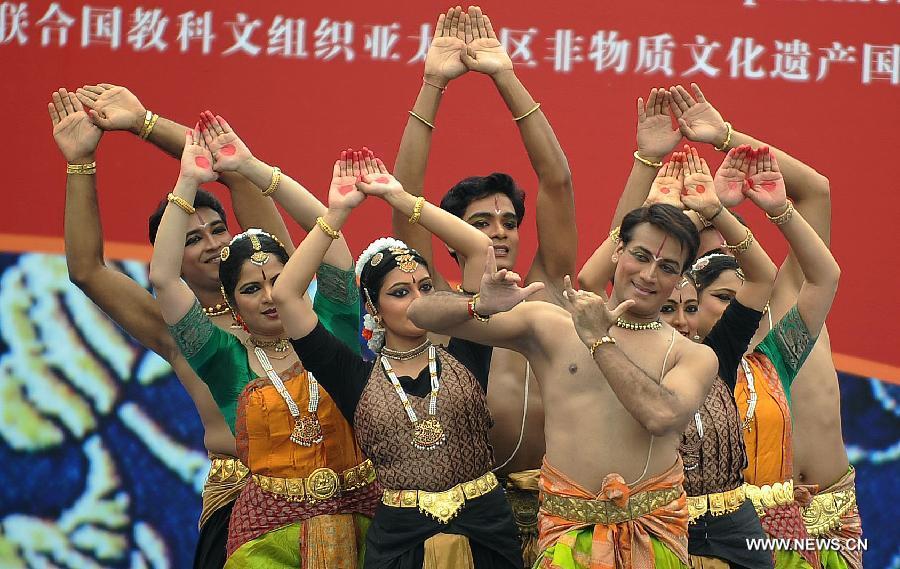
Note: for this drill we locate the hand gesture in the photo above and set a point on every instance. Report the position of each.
(443, 62)
(590, 312)
(112, 107)
(698, 194)
(731, 177)
(500, 290)
(484, 53)
(343, 193)
(666, 188)
(196, 160)
(765, 186)
(655, 135)
(698, 119)
(374, 176)
(75, 134)
(228, 151)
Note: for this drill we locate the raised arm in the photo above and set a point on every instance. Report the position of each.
(666, 187)
(442, 65)
(557, 234)
(698, 195)
(296, 312)
(469, 244)
(113, 107)
(821, 273)
(662, 408)
(174, 296)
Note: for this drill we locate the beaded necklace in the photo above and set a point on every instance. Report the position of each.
(427, 434)
(307, 430)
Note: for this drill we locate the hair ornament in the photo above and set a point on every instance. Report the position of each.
(226, 251)
(377, 246)
(702, 262)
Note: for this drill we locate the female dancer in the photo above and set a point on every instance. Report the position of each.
(309, 479)
(419, 410)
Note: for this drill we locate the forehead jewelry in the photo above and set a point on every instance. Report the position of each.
(405, 261)
(258, 257)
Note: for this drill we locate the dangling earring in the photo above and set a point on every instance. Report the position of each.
(615, 258)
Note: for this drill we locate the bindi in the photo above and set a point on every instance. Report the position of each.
(202, 162)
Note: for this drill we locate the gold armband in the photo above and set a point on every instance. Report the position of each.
(323, 225)
(531, 110)
(743, 245)
(273, 185)
(474, 313)
(614, 235)
(724, 147)
(602, 341)
(149, 122)
(414, 114)
(181, 203)
(84, 169)
(643, 160)
(417, 210)
(784, 216)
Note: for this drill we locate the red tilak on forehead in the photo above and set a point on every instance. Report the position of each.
(200, 218)
(661, 245)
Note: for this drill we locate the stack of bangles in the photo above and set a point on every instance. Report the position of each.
(82, 169)
(149, 122)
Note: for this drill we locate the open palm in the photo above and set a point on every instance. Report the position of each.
(731, 177)
(484, 52)
(114, 107)
(74, 133)
(442, 62)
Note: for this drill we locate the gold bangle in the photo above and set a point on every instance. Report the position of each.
(413, 113)
(147, 116)
(273, 185)
(615, 234)
(784, 216)
(181, 203)
(534, 108)
(474, 313)
(426, 82)
(643, 160)
(148, 126)
(743, 245)
(417, 210)
(85, 169)
(724, 146)
(601, 342)
(323, 225)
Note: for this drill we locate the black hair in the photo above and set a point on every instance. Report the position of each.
(711, 267)
(203, 199)
(241, 249)
(669, 219)
(371, 278)
(458, 198)
(738, 217)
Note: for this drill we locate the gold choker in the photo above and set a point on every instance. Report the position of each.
(622, 323)
(280, 344)
(407, 355)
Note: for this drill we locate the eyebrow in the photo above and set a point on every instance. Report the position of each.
(724, 289)
(491, 214)
(407, 283)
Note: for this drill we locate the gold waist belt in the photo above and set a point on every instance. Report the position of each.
(825, 511)
(716, 504)
(223, 468)
(321, 484)
(442, 506)
(765, 497)
(606, 512)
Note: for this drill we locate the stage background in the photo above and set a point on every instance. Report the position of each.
(100, 448)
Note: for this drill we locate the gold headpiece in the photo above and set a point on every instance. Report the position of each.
(405, 261)
(376, 258)
(259, 257)
(224, 254)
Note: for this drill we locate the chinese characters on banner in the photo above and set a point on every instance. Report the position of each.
(604, 51)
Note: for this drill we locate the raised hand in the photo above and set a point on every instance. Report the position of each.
(443, 62)
(697, 193)
(343, 193)
(113, 107)
(484, 53)
(74, 133)
(228, 150)
(375, 178)
(655, 135)
(731, 177)
(196, 160)
(590, 312)
(698, 119)
(666, 188)
(500, 290)
(765, 185)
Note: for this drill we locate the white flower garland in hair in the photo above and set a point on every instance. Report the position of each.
(380, 244)
(373, 333)
(701, 263)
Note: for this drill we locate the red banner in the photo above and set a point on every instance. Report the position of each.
(300, 82)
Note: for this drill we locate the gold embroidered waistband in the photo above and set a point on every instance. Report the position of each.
(716, 504)
(224, 468)
(442, 506)
(824, 512)
(770, 496)
(321, 484)
(606, 512)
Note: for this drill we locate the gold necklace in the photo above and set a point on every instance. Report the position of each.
(280, 344)
(217, 310)
(622, 323)
(401, 356)
(428, 434)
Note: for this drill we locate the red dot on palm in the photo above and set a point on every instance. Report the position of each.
(228, 150)
(382, 179)
(700, 189)
(201, 161)
(769, 186)
(664, 190)
(344, 190)
(735, 185)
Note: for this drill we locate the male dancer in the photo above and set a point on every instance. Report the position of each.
(618, 385)
(494, 204)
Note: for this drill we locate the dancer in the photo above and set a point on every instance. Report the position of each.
(649, 383)
(442, 506)
(309, 479)
(495, 205)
